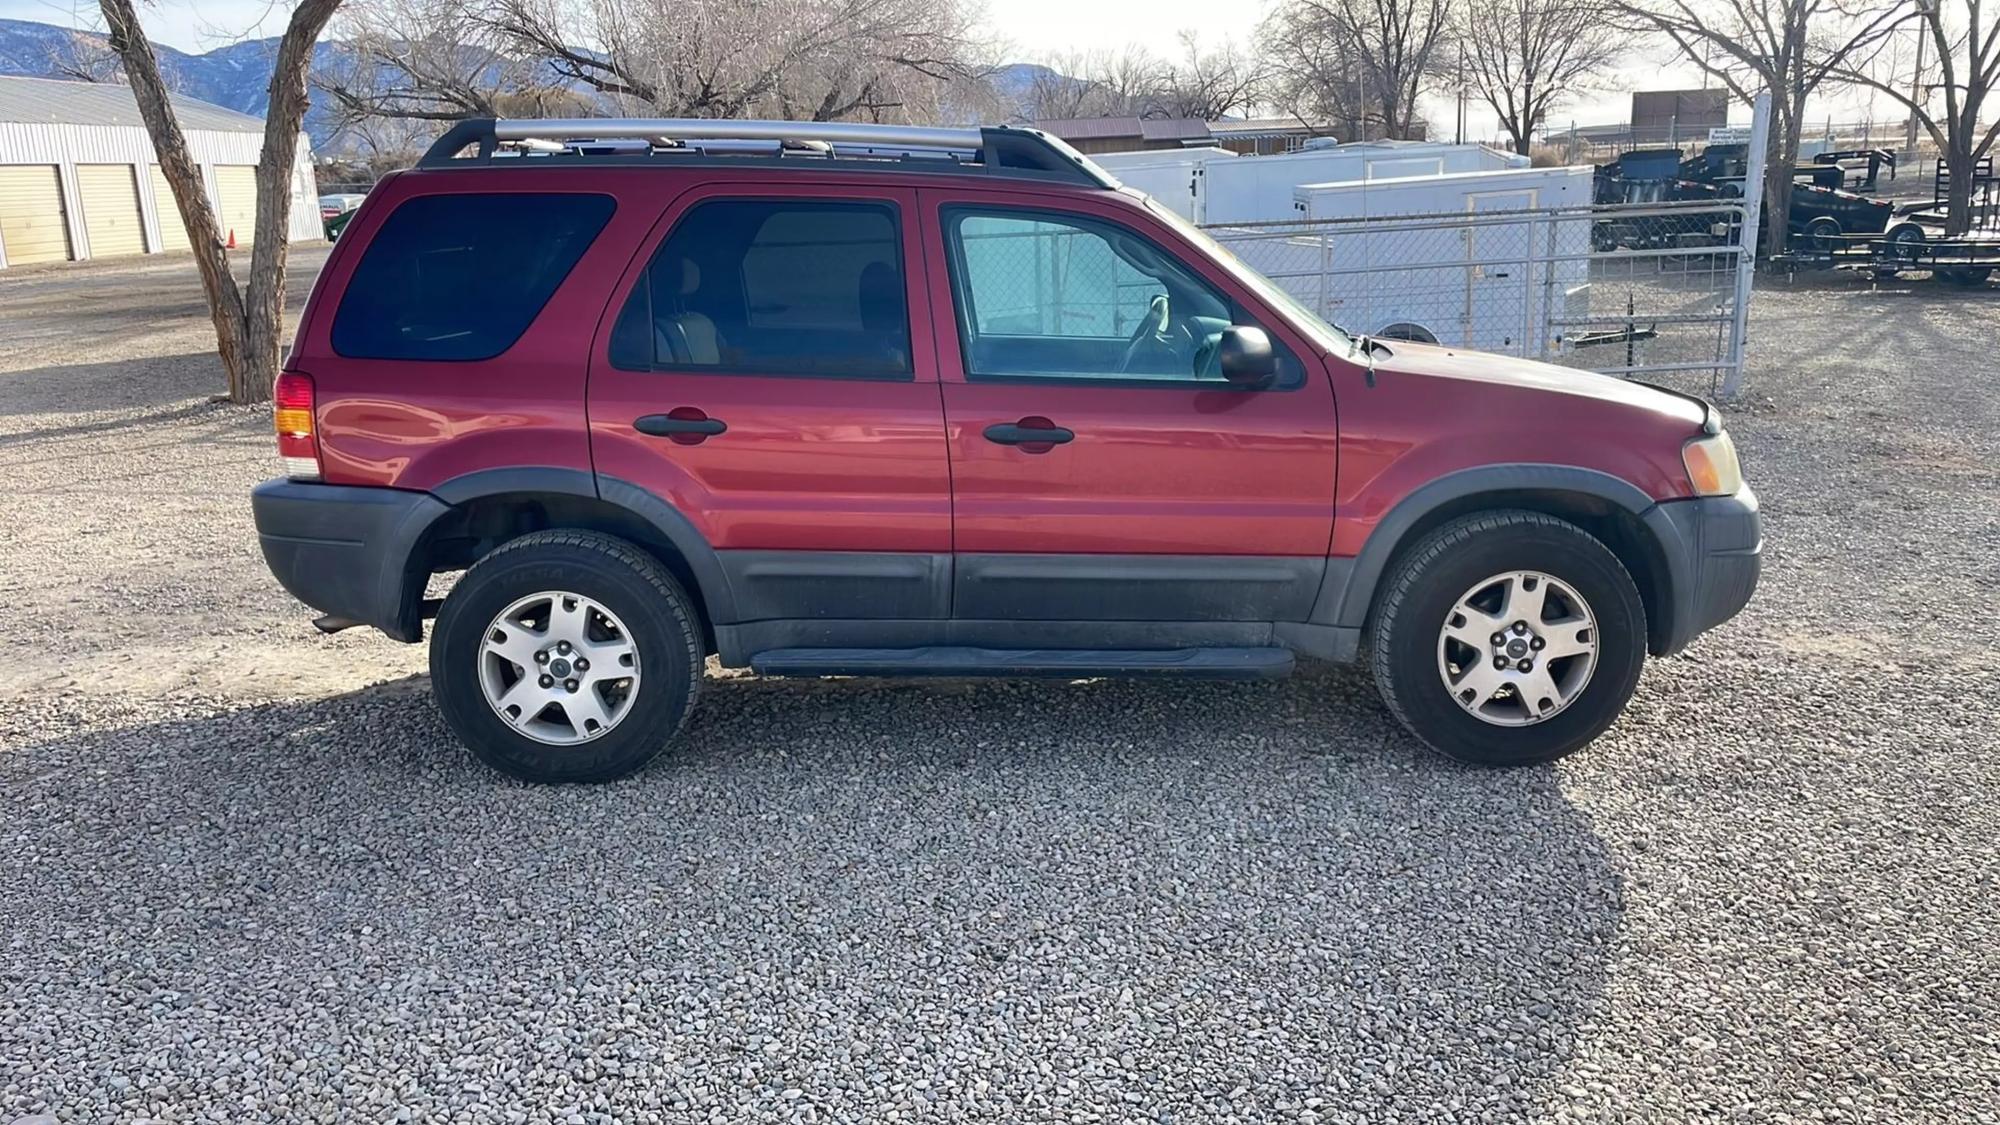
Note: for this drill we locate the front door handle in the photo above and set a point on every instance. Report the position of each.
(1033, 434)
(685, 425)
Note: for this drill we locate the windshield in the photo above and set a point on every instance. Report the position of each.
(1330, 335)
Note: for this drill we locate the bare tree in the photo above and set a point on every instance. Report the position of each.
(1963, 40)
(1210, 85)
(1098, 83)
(425, 60)
(1313, 77)
(1789, 47)
(249, 319)
(1053, 94)
(817, 59)
(1359, 63)
(1522, 56)
(81, 56)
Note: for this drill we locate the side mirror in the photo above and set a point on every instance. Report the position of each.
(1245, 356)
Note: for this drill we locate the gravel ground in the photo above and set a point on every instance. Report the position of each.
(250, 878)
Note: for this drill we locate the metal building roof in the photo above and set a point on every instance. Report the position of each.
(50, 101)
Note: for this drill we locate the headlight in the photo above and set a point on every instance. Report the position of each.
(1711, 465)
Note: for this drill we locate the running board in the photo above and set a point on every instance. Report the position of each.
(1194, 663)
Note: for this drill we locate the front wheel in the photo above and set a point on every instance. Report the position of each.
(1905, 240)
(566, 656)
(1509, 638)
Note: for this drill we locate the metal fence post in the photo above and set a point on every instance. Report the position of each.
(1746, 249)
(1528, 293)
(1326, 275)
(1549, 291)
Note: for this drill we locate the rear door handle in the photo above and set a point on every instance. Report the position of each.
(685, 425)
(1029, 432)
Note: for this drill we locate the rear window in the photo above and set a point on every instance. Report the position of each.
(460, 277)
(773, 287)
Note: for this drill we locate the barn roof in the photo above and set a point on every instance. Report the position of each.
(50, 101)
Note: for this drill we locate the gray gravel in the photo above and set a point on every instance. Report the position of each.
(248, 877)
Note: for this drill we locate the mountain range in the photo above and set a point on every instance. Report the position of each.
(238, 76)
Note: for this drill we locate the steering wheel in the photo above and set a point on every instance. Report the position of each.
(1151, 326)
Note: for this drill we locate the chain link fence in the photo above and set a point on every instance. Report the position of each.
(1655, 290)
(1051, 279)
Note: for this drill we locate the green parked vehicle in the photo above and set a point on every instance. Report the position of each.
(337, 223)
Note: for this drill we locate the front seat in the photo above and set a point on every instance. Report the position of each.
(684, 335)
(883, 315)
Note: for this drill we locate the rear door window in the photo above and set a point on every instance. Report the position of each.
(460, 277)
(773, 287)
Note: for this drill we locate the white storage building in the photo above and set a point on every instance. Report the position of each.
(1491, 260)
(1215, 185)
(78, 177)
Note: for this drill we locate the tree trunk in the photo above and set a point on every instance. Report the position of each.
(264, 297)
(1959, 165)
(183, 175)
(249, 322)
(1779, 157)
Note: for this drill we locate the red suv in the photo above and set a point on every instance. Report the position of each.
(865, 400)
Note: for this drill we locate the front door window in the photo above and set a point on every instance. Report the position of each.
(1048, 297)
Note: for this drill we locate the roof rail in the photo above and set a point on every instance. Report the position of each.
(999, 150)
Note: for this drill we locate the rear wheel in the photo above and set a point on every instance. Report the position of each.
(566, 656)
(1509, 638)
(1967, 276)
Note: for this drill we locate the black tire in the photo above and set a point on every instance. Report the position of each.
(1426, 582)
(1904, 239)
(1966, 276)
(633, 585)
(1822, 235)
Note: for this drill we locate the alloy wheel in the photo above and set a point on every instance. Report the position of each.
(1517, 648)
(559, 668)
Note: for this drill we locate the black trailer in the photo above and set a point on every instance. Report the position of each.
(1661, 175)
(1825, 218)
(1853, 169)
(1968, 260)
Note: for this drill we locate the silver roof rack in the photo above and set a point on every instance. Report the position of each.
(998, 150)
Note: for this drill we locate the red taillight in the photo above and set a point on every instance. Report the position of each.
(292, 411)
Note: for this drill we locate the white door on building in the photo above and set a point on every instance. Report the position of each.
(111, 221)
(173, 232)
(1500, 253)
(32, 228)
(236, 203)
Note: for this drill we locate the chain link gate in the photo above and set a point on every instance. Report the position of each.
(1650, 290)
(1659, 290)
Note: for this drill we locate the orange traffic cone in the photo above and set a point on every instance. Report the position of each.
(231, 245)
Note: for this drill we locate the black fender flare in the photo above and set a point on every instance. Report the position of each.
(1347, 606)
(674, 528)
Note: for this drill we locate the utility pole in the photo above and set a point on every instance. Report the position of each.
(1916, 88)
(1461, 94)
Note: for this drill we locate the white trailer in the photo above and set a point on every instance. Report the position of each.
(1470, 259)
(1214, 185)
